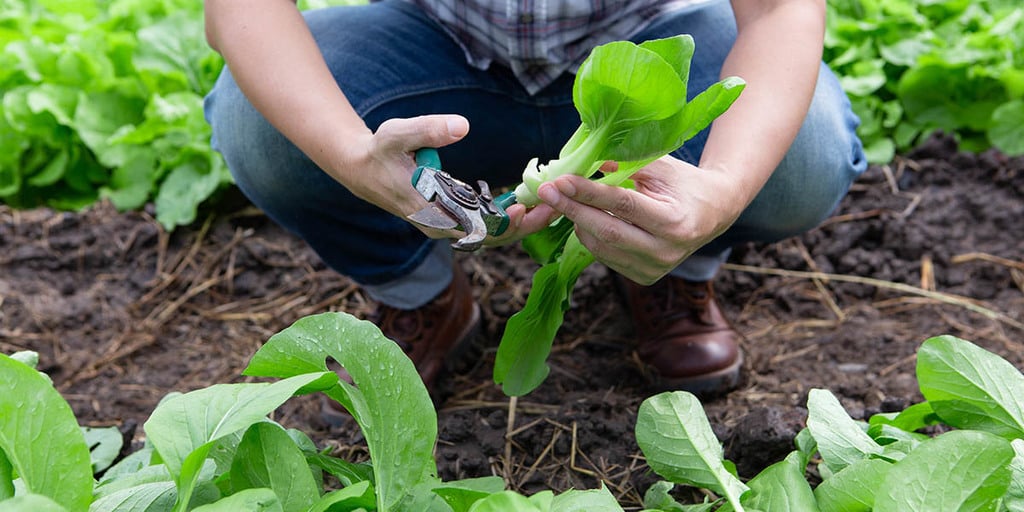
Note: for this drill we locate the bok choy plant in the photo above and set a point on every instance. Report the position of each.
(632, 101)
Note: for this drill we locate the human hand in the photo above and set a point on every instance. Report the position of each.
(379, 167)
(644, 233)
(382, 174)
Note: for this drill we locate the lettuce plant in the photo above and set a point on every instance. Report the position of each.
(912, 67)
(884, 465)
(633, 107)
(215, 450)
(103, 100)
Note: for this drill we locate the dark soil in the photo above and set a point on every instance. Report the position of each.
(123, 313)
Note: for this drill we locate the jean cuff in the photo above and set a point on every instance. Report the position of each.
(701, 267)
(421, 285)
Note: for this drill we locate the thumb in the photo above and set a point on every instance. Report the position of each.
(431, 131)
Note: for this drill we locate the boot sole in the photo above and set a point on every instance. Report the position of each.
(708, 384)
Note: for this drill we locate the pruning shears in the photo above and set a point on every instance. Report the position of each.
(457, 205)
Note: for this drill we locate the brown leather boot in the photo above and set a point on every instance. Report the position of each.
(682, 335)
(437, 331)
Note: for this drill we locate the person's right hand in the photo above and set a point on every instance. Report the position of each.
(379, 168)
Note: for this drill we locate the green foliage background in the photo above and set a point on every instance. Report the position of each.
(912, 67)
(103, 99)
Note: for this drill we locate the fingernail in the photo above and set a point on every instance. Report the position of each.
(457, 126)
(566, 188)
(547, 193)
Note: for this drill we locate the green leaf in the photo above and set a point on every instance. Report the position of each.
(28, 358)
(104, 446)
(55, 465)
(183, 190)
(674, 434)
(31, 502)
(949, 96)
(519, 365)
(781, 487)
(657, 497)
(52, 171)
(853, 488)
(6, 477)
(621, 85)
(1014, 500)
(352, 498)
(841, 441)
(149, 489)
(1007, 130)
(462, 494)
(389, 401)
(970, 387)
(183, 429)
(632, 102)
(676, 51)
(911, 419)
(348, 473)
(131, 464)
(131, 182)
(705, 108)
(249, 500)
(99, 116)
(595, 500)
(545, 245)
(806, 445)
(506, 501)
(268, 458)
(961, 470)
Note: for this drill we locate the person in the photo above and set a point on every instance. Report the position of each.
(318, 113)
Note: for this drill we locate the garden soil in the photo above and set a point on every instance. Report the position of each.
(122, 313)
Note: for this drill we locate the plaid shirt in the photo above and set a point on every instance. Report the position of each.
(540, 39)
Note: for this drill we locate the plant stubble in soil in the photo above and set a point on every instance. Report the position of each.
(123, 313)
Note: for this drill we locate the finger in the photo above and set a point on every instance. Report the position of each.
(536, 218)
(619, 260)
(625, 204)
(431, 131)
(608, 229)
(524, 222)
(609, 166)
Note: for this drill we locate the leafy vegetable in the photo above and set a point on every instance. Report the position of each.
(972, 388)
(677, 440)
(914, 67)
(215, 450)
(876, 467)
(632, 101)
(57, 465)
(959, 470)
(104, 100)
(633, 109)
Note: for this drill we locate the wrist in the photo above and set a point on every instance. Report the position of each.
(349, 153)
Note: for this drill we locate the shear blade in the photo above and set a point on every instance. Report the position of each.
(434, 217)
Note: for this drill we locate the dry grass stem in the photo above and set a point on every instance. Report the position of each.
(991, 258)
(947, 298)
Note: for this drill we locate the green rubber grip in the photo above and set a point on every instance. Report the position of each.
(425, 157)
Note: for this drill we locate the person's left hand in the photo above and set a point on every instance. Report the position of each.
(644, 233)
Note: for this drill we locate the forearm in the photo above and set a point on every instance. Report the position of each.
(778, 53)
(276, 63)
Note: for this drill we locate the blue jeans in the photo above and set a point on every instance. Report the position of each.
(392, 61)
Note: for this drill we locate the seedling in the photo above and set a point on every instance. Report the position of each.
(632, 101)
